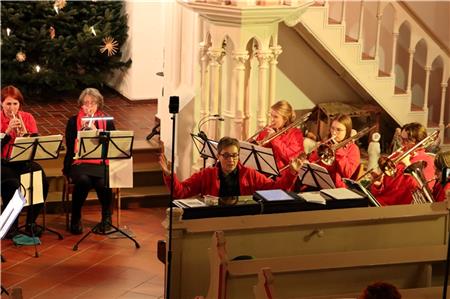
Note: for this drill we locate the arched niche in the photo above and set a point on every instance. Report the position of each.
(386, 40)
(435, 91)
(419, 75)
(402, 55)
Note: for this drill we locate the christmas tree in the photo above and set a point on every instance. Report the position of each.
(55, 46)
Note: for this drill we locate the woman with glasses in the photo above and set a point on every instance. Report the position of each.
(87, 174)
(398, 189)
(229, 177)
(288, 145)
(347, 158)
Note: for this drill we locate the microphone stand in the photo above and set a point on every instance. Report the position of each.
(174, 103)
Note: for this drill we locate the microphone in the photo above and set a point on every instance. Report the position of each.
(204, 120)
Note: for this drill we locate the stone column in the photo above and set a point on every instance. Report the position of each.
(216, 58)
(204, 80)
(410, 67)
(276, 51)
(361, 20)
(394, 52)
(239, 58)
(427, 87)
(379, 19)
(441, 115)
(264, 58)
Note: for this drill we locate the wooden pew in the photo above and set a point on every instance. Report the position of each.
(266, 289)
(223, 270)
(344, 249)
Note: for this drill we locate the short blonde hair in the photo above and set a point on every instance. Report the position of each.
(93, 92)
(285, 110)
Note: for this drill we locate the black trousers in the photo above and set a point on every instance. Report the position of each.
(85, 178)
(10, 182)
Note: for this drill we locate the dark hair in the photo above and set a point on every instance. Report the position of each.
(13, 92)
(441, 160)
(415, 131)
(226, 142)
(346, 121)
(380, 290)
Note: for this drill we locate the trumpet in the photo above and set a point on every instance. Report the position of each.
(22, 130)
(327, 152)
(272, 136)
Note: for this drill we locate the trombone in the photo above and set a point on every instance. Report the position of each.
(327, 152)
(388, 164)
(272, 136)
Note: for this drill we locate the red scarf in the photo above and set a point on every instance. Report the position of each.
(99, 124)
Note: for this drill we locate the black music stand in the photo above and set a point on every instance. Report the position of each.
(359, 188)
(206, 147)
(7, 218)
(30, 149)
(315, 176)
(258, 157)
(105, 145)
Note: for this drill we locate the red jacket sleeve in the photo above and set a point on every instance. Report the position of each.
(347, 160)
(199, 183)
(289, 146)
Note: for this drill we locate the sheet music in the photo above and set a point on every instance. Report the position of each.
(121, 173)
(315, 176)
(120, 144)
(38, 193)
(11, 212)
(313, 197)
(48, 148)
(341, 193)
(258, 157)
(189, 203)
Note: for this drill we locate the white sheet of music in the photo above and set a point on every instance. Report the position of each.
(341, 193)
(313, 197)
(121, 173)
(11, 212)
(38, 193)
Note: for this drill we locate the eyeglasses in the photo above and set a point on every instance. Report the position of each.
(228, 155)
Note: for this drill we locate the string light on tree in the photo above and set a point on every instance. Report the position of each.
(8, 31)
(20, 56)
(110, 45)
(37, 68)
(93, 31)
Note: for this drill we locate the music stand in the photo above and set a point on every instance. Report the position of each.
(8, 216)
(258, 157)
(30, 149)
(105, 145)
(315, 176)
(207, 148)
(359, 188)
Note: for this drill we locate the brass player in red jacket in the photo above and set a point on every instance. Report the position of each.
(347, 158)
(441, 187)
(228, 177)
(288, 145)
(397, 189)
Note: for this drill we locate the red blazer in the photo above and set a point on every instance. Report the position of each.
(30, 125)
(346, 162)
(207, 182)
(286, 146)
(439, 191)
(397, 190)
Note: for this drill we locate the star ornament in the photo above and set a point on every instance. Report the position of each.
(109, 45)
